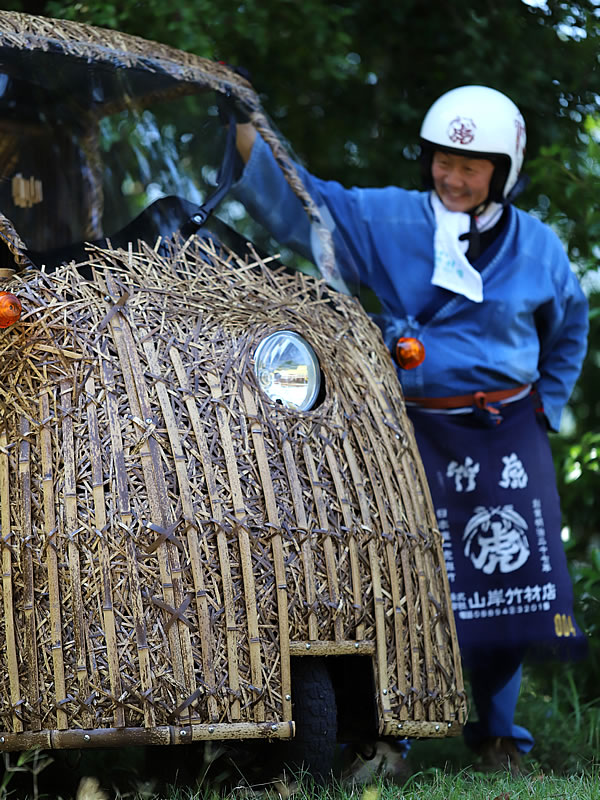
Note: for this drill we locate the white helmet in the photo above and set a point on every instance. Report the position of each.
(478, 122)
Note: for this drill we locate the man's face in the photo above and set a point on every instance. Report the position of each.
(461, 183)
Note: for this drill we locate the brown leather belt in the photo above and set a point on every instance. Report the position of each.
(479, 399)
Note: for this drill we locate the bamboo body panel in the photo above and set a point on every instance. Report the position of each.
(171, 538)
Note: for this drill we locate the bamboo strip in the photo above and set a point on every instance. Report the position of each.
(52, 547)
(381, 651)
(168, 556)
(427, 632)
(277, 548)
(126, 523)
(224, 560)
(310, 587)
(100, 522)
(184, 492)
(444, 651)
(382, 414)
(413, 625)
(29, 611)
(406, 522)
(387, 533)
(7, 583)
(335, 598)
(150, 461)
(346, 648)
(82, 739)
(423, 590)
(206, 635)
(421, 729)
(401, 632)
(70, 530)
(346, 506)
(240, 516)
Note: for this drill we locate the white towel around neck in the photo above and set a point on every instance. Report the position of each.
(452, 269)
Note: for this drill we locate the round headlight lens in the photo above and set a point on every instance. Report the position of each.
(287, 370)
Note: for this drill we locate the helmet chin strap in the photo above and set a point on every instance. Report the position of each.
(521, 184)
(473, 235)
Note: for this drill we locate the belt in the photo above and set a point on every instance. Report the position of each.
(479, 399)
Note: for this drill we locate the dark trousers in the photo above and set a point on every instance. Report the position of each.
(495, 678)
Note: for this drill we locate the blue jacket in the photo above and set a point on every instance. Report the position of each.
(530, 328)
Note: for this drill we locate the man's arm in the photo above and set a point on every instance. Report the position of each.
(245, 138)
(562, 328)
(269, 199)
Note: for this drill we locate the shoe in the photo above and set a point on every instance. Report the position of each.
(382, 759)
(499, 754)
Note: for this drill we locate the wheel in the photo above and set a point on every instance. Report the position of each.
(314, 711)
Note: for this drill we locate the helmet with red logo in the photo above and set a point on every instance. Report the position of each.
(477, 122)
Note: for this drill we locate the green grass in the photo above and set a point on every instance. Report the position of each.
(445, 782)
(436, 785)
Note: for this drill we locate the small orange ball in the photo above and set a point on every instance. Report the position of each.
(10, 309)
(410, 352)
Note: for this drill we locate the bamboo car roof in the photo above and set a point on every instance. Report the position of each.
(57, 56)
(49, 59)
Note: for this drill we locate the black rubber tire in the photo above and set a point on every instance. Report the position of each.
(314, 711)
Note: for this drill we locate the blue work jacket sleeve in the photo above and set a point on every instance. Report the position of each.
(269, 199)
(562, 326)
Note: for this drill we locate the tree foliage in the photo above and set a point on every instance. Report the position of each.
(348, 84)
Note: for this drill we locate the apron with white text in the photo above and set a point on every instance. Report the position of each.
(498, 510)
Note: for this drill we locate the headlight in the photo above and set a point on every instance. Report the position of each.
(288, 371)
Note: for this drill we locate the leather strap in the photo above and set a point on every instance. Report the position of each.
(479, 399)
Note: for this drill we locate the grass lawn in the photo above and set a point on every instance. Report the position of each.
(441, 771)
(434, 785)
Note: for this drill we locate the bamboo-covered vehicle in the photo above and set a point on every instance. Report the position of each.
(214, 519)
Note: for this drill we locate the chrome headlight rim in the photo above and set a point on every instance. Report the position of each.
(268, 355)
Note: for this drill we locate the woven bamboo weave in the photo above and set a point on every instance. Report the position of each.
(170, 536)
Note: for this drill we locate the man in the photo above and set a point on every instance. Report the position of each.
(488, 291)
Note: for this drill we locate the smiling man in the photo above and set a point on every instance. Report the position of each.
(461, 183)
(489, 292)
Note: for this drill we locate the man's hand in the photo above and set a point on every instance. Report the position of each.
(245, 136)
(229, 106)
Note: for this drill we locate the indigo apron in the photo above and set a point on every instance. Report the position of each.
(497, 505)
